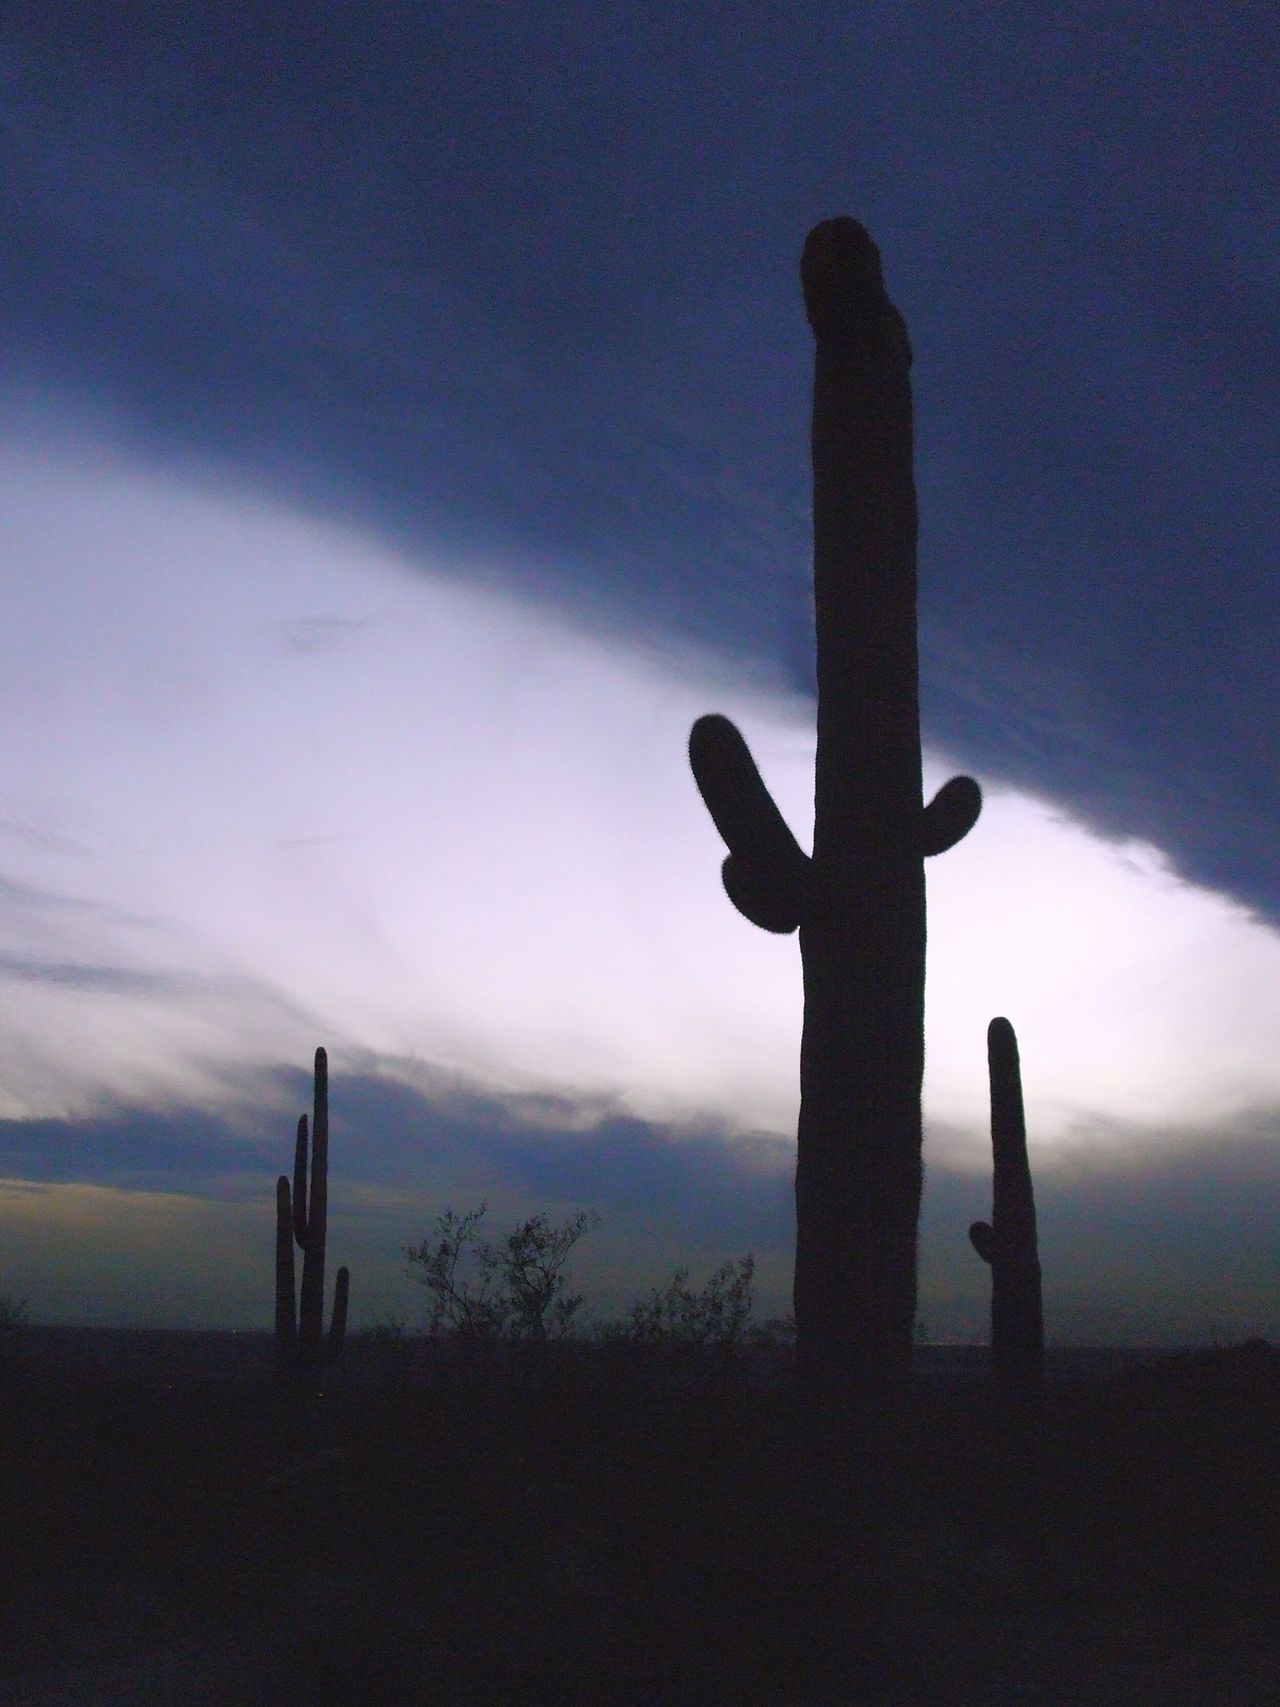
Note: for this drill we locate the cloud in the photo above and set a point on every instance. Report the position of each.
(104, 980)
(469, 839)
(15, 896)
(41, 838)
(182, 1152)
(1145, 1238)
(310, 634)
(1136, 996)
(370, 835)
(389, 1133)
(399, 1156)
(598, 394)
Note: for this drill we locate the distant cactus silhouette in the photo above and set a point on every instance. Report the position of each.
(300, 1341)
(1008, 1241)
(859, 901)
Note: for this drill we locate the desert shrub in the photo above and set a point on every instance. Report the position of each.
(695, 1334)
(513, 1287)
(717, 1317)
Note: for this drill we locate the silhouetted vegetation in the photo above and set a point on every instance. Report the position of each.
(590, 1522)
(615, 1514)
(481, 1289)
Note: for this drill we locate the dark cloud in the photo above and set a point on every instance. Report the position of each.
(556, 1149)
(526, 288)
(132, 1149)
(389, 1134)
(456, 1143)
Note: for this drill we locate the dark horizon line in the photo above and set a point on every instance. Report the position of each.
(1217, 1340)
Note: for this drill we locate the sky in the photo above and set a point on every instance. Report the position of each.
(403, 438)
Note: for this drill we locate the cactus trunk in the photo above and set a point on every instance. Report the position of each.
(1008, 1242)
(311, 1293)
(286, 1317)
(302, 1217)
(862, 1050)
(859, 901)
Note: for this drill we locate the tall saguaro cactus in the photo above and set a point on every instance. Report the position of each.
(859, 900)
(304, 1218)
(1008, 1241)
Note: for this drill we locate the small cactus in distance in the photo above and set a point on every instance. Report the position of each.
(303, 1218)
(1008, 1241)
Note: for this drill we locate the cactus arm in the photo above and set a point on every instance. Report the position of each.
(311, 1298)
(758, 900)
(740, 805)
(766, 876)
(338, 1324)
(951, 814)
(300, 1184)
(982, 1237)
(286, 1320)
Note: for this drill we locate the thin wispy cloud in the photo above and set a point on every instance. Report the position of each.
(100, 980)
(27, 896)
(310, 634)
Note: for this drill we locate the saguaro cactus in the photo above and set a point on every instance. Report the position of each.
(1008, 1241)
(304, 1218)
(286, 1305)
(859, 901)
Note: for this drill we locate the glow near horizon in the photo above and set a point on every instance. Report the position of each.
(331, 796)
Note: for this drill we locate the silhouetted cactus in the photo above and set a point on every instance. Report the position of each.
(286, 1309)
(859, 904)
(859, 901)
(300, 1342)
(1008, 1241)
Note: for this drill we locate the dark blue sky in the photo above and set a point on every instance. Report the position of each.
(524, 281)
